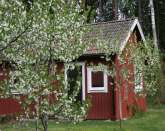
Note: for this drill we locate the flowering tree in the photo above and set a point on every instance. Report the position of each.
(35, 34)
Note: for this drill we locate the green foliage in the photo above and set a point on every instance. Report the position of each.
(128, 7)
(107, 13)
(33, 34)
(69, 107)
(5, 119)
(147, 60)
(161, 91)
(150, 121)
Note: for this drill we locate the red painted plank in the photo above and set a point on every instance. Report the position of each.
(9, 106)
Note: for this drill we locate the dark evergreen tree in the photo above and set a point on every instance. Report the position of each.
(160, 22)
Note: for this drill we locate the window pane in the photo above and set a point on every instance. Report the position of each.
(97, 79)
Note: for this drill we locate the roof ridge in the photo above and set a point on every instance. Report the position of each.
(114, 21)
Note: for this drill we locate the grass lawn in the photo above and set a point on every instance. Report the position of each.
(153, 120)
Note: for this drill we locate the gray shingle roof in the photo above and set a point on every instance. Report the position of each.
(112, 31)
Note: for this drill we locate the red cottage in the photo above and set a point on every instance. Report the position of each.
(104, 90)
(101, 88)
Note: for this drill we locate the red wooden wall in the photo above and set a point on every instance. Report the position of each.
(9, 106)
(130, 100)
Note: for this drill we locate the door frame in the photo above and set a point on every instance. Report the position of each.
(82, 64)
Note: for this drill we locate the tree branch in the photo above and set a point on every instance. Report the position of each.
(14, 40)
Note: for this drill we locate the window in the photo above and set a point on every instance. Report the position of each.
(138, 79)
(97, 80)
(73, 76)
(75, 72)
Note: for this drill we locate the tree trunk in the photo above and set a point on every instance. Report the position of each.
(115, 9)
(44, 120)
(37, 124)
(157, 18)
(140, 11)
(37, 114)
(120, 104)
(100, 10)
(153, 23)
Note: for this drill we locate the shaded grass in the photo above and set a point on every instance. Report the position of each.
(153, 120)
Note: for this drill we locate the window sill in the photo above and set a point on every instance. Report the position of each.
(98, 90)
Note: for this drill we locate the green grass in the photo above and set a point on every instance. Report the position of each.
(153, 120)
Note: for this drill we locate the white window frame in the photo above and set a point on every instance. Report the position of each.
(91, 89)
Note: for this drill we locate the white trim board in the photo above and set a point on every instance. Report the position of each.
(136, 23)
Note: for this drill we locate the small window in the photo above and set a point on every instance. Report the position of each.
(97, 81)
